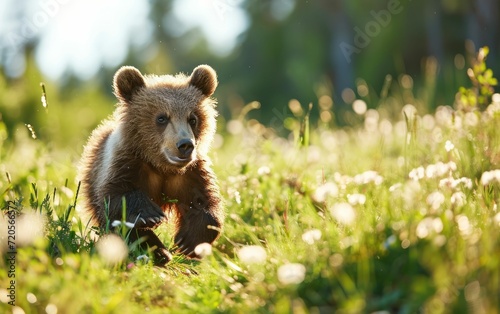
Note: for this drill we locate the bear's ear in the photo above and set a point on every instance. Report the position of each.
(127, 81)
(205, 79)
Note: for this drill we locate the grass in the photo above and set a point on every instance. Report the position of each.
(389, 214)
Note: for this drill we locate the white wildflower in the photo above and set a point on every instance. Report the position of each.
(449, 146)
(356, 198)
(440, 169)
(311, 236)
(252, 254)
(497, 219)
(395, 187)
(447, 182)
(264, 170)
(293, 273)
(325, 190)
(417, 173)
(410, 192)
(489, 176)
(129, 225)
(428, 226)
(454, 183)
(29, 227)
(464, 225)
(435, 199)
(458, 199)
(343, 213)
(116, 223)
(471, 119)
(112, 248)
(203, 249)
(368, 177)
(467, 182)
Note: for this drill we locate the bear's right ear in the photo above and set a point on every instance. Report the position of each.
(127, 81)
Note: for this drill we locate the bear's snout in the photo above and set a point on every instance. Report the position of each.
(185, 147)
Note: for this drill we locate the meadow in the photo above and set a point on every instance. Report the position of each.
(394, 213)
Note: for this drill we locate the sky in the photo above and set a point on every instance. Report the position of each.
(83, 35)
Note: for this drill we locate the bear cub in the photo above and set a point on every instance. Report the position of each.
(150, 159)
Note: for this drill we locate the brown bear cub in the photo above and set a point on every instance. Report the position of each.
(150, 159)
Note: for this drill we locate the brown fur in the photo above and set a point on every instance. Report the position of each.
(153, 153)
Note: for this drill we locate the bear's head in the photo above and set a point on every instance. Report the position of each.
(169, 120)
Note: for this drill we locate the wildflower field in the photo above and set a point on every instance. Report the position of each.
(394, 213)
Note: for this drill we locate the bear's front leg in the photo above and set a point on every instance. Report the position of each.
(200, 215)
(145, 215)
(150, 240)
(139, 210)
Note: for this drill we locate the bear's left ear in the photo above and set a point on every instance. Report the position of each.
(127, 81)
(205, 79)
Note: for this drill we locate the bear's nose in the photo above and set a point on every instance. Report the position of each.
(185, 147)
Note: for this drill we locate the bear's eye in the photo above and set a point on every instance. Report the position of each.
(192, 121)
(162, 119)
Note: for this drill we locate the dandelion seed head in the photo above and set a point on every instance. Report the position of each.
(497, 219)
(31, 298)
(30, 227)
(495, 98)
(448, 146)
(324, 191)
(490, 176)
(440, 169)
(435, 199)
(471, 119)
(264, 170)
(293, 273)
(428, 122)
(203, 249)
(112, 249)
(443, 115)
(423, 227)
(409, 110)
(356, 198)
(51, 308)
(417, 173)
(493, 109)
(343, 213)
(458, 199)
(395, 187)
(464, 225)
(410, 191)
(311, 236)
(385, 127)
(369, 176)
(429, 226)
(252, 254)
(446, 182)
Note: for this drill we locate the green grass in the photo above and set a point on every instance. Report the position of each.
(384, 215)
